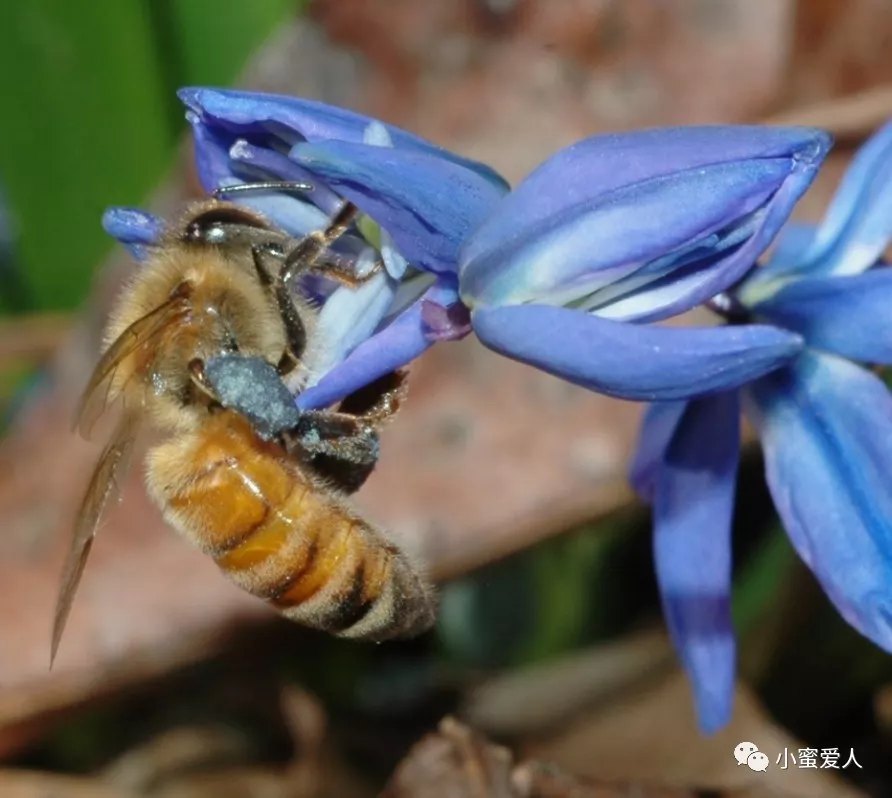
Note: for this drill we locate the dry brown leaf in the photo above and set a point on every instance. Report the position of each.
(458, 762)
(538, 780)
(453, 763)
(532, 700)
(222, 756)
(621, 711)
(236, 782)
(293, 781)
(651, 734)
(31, 784)
(882, 708)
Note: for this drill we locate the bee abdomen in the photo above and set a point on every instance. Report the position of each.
(369, 591)
(213, 491)
(284, 539)
(405, 606)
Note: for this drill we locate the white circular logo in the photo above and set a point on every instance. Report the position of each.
(743, 751)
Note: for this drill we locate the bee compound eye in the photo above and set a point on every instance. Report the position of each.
(219, 224)
(205, 232)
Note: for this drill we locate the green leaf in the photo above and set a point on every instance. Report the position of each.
(84, 127)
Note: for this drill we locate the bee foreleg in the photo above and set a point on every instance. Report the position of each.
(308, 255)
(295, 331)
(339, 223)
(345, 275)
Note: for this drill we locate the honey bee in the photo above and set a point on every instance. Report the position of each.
(258, 485)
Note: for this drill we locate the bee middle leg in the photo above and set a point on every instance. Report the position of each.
(201, 390)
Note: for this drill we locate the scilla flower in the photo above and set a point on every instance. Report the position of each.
(625, 229)
(562, 273)
(825, 425)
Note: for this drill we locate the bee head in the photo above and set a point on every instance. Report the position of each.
(222, 224)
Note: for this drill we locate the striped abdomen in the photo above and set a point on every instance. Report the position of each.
(282, 536)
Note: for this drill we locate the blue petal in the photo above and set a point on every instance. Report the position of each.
(212, 161)
(742, 162)
(855, 230)
(846, 315)
(658, 427)
(136, 229)
(295, 119)
(275, 165)
(426, 203)
(398, 344)
(858, 223)
(633, 361)
(348, 317)
(693, 510)
(599, 165)
(612, 237)
(594, 243)
(218, 168)
(826, 429)
(648, 291)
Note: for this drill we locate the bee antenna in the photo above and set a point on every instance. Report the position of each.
(272, 185)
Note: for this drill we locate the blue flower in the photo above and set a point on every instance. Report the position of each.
(623, 229)
(430, 200)
(564, 271)
(826, 430)
(561, 273)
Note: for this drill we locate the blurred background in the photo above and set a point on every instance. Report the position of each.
(169, 681)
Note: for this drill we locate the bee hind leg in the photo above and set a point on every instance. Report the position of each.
(340, 448)
(380, 400)
(342, 445)
(350, 433)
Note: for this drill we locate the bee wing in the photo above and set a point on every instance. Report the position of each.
(99, 392)
(105, 486)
